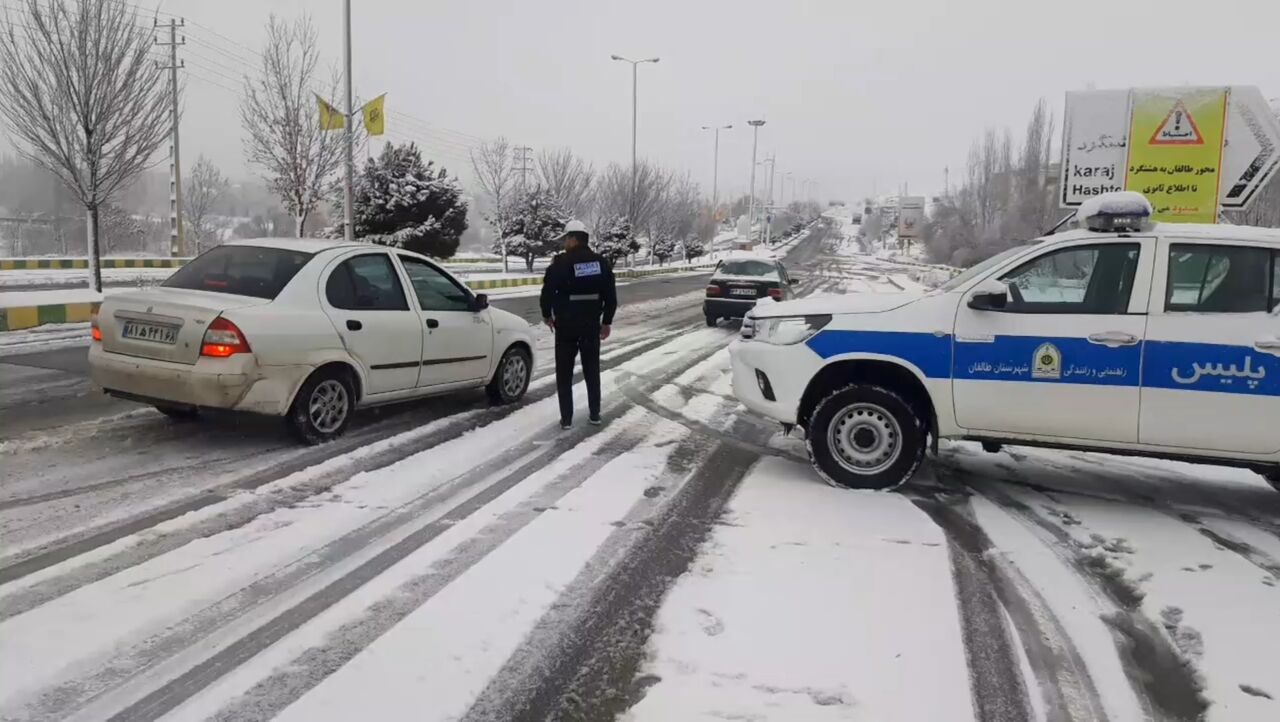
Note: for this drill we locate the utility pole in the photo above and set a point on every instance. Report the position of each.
(755, 142)
(177, 240)
(715, 172)
(772, 160)
(347, 130)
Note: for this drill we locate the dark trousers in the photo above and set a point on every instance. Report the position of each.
(570, 341)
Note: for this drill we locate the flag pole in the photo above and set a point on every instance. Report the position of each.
(348, 231)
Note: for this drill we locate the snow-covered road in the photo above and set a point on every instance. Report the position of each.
(454, 561)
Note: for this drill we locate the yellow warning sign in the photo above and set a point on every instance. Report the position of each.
(1175, 151)
(1178, 128)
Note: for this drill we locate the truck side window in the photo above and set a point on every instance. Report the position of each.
(1081, 279)
(1207, 278)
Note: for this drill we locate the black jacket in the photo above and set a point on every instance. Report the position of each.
(578, 288)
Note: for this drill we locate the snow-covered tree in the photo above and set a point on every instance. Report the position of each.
(531, 223)
(613, 239)
(664, 247)
(694, 248)
(403, 202)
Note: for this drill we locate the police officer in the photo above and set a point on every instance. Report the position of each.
(578, 303)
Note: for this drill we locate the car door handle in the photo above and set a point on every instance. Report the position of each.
(353, 325)
(432, 323)
(1268, 345)
(1113, 339)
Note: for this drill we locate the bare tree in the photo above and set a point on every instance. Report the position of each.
(494, 169)
(83, 99)
(614, 192)
(279, 116)
(201, 192)
(568, 177)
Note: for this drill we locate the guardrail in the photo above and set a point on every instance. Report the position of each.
(23, 317)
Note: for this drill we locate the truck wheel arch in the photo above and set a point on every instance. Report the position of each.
(904, 379)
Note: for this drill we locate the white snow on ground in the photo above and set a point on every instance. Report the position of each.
(43, 338)
(811, 603)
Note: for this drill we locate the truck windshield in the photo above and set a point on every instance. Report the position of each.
(974, 271)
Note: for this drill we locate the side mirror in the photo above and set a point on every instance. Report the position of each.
(480, 302)
(990, 295)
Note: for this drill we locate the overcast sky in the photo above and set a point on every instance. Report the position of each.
(856, 94)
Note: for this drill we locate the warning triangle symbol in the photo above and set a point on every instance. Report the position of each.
(1178, 128)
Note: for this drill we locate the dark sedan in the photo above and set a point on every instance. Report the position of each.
(739, 283)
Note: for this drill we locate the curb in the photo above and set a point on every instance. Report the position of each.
(24, 317)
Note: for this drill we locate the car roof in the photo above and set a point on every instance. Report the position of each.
(1195, 231)
(304, 245)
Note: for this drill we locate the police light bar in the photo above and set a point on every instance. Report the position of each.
(1115, 212)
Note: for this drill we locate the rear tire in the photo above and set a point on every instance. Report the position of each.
(866, 437)
(179, 413)
(323, 407)
(712, 321)
(511, 379)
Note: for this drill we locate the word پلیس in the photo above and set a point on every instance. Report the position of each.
(1226, 372)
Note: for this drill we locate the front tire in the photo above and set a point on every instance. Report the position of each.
(511, 379)
(323, 407)
(866, 437)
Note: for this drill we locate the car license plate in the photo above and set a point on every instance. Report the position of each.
(742, 292)
(154, 332)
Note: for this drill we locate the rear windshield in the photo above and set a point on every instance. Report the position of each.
(747, 268)
(241, 270)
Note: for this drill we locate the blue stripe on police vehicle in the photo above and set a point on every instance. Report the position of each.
(589, 268)
(1221, 368)
(1004, 358)
(1067, 360)
(930, 353)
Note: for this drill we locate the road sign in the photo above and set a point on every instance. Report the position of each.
(910, 218)
(1175, 152)
(1252, 155)
(1094, 144)
(1095, 147)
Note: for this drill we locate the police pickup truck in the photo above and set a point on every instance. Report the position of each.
(1121, 336)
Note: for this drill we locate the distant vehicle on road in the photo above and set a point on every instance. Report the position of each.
(308, 330)
(1125, 337)
(738, 283)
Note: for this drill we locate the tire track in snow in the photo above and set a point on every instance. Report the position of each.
(997, 687)
(58, 701)
(1166, 682)
(581, 662)
(272, 694)
(155, 545)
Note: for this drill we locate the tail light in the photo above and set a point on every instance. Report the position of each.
(775, 294)
(223, 339)
(94, 330)
(713, 290)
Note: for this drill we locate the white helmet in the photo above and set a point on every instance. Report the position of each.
(574, 226)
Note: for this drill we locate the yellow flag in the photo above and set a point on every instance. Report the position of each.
(374, 119)
(330, 118)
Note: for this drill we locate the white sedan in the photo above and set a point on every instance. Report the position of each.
(308, 330)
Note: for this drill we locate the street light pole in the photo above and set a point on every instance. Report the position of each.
(755, 141)
(631, 212)
(715, 173)
(347, 199)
